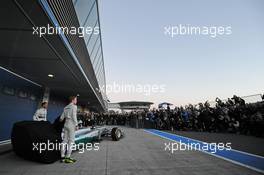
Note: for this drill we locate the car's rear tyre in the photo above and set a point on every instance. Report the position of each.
(116, 134)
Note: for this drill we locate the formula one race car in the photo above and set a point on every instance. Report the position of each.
(93, 133)
(86, 135)
(29, 136)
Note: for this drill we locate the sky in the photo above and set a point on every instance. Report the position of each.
(191, 68)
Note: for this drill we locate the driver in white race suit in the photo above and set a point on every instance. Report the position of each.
(70, 126)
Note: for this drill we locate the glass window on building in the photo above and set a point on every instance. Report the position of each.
(93, 43)
(82, 8)
(97, 71)
(99, 58)
(95, 51)
(92, 23)
(96, 59)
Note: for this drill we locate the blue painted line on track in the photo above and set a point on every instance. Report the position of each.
(248, 160)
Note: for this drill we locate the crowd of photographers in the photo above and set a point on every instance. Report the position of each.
(232, 116)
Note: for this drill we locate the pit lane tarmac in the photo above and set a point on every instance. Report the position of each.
(139, 152)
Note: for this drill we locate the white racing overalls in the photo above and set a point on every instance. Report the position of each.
(70, 116)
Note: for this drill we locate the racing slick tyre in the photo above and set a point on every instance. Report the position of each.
(116, 134)
(28, 137)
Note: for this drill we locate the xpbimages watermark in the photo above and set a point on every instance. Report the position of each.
(130, 88)
(208, 147)
(51, 30)
(50, 146)
(211, 31)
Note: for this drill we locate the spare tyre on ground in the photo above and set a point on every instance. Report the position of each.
(28, 137)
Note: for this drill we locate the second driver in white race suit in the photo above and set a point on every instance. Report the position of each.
(70, 126)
